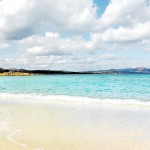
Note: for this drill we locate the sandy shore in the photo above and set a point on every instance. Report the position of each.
(67, 126)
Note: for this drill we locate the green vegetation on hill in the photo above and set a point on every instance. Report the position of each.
(23, 72)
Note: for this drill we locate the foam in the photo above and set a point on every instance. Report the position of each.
(47, 99)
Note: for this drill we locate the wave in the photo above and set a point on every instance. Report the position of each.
(47, 99)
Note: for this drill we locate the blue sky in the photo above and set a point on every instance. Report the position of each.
(101, 4)
(75, 34)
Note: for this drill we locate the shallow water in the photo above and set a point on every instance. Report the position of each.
(96, 86)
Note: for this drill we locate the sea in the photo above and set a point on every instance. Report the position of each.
(115, 87)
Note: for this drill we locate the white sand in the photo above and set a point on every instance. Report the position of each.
(69, 126)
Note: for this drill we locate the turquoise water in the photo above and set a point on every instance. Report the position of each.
(95, 86)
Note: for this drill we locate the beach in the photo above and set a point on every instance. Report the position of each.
(75, 112)
(53, 124)
(75, 75)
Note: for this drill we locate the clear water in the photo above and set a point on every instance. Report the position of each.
(95, 86)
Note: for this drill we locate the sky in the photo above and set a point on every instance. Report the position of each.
(74, 35)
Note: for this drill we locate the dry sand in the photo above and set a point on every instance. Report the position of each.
(68, 126)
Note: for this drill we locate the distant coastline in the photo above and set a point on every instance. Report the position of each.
(23, 72)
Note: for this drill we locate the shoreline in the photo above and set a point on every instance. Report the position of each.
(46, 99)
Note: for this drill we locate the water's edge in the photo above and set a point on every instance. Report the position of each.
(45, 99)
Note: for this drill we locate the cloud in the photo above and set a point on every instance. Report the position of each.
(4, 45)
(123, 36)
(53, 44)
(123, 24)
(69, 32)
(23, 18)
(145, 44)
(54, 62)
(124, 13)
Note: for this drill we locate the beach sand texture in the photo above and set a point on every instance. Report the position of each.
(69, 126)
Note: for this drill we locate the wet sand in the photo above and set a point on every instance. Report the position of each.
(73, 126)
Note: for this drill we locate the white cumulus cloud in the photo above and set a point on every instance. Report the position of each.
(49, 33)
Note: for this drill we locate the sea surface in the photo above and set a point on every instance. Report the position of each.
(121, 87)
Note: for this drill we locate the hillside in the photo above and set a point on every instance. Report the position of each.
(23, 72)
